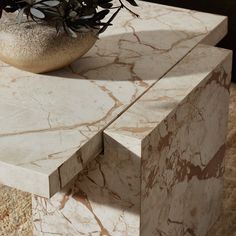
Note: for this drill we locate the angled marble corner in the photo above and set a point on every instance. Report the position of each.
(181, 123)
(51, 124)
(161, 171)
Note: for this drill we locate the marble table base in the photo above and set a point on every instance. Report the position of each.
(163, 161)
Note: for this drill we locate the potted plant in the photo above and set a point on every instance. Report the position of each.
(44, 35)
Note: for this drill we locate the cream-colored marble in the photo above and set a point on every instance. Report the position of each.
(161, 172)
(51, 124)
(182, 123)
(103, 200)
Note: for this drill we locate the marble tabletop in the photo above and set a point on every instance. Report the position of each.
(51, 124)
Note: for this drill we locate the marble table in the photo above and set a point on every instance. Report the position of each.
(128, 140)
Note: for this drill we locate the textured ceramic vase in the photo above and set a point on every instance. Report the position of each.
(37, 48)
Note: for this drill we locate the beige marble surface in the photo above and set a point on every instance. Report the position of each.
(162, 157)
(181, 127)
(51, 124)
(225, 226)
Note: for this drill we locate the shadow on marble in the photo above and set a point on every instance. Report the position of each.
(124, 54)
(96, 177)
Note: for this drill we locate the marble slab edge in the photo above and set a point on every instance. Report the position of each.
(54, 182)
(214, 37)
(133, 127)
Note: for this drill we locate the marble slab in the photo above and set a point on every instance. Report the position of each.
(161, 172)
(51, 124)
(181, 125)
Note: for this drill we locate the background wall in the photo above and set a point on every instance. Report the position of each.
(222, 7)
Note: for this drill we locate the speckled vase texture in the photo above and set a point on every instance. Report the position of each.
(36, 47)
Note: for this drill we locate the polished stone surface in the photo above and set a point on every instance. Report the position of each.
(52, 124)
(226, 224)
(17, 220)
(162, 157)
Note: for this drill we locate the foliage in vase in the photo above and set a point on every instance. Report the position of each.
(71, 15)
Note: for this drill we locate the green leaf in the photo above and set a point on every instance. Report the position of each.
(51, 3)
(37, 13)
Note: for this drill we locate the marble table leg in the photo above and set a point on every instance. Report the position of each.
(163, 162)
